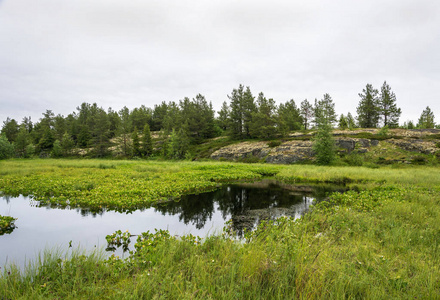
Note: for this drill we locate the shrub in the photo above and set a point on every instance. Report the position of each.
(274, 143)
(6, 148)
(324, 145)
(383, 132)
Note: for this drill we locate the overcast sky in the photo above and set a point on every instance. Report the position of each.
(57, 54)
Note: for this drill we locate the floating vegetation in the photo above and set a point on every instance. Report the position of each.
(7, 224)
(121, 187)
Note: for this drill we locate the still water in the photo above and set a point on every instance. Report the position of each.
(40, 228)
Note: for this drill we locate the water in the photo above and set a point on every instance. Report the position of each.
(44, 227)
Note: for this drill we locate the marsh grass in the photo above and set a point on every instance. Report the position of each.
(380, 240)
(56, 273)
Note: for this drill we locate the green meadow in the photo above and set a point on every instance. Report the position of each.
(379, 240)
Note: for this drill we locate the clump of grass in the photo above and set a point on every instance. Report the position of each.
(7, 224)
(274, 143)
(58, 274)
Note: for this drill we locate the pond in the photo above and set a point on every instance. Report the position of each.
(43, 227)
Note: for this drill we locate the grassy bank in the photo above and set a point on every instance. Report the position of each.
(379, 241)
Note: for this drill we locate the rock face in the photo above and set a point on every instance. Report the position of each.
(288, 152)
(416, 145)
(426, 141)
(241, 151)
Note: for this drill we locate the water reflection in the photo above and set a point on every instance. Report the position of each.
(203, 214)
(245, 204)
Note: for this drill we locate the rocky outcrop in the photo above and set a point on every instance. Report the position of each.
(417, 145)
(288, 152)
(241, 151)
(355, 144)
(424, 141)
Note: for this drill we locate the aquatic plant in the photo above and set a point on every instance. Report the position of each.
(378, 241)
(6, 224)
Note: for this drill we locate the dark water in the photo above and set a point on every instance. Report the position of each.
(44, 227)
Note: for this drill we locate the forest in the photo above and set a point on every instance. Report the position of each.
(93, 131)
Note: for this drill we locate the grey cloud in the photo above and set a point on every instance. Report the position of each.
(56, 54)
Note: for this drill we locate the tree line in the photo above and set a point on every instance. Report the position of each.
(178, 125)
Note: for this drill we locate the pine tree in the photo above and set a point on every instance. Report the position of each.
(159, 113)
(27, 123)
(101, 133)
(125, 125)
(242, 106)
(306, 113)
(115, 122)
(84, 136)
(178, 145)
(57, 150)
(408, 125)
(324, 111)
(368, 109)
(140, 116)
(350, 121)
(324, 144)
(249, 107)
(147, 142)
(389, 111)
(342, 124)
(223, 116)
(67, 144)
(164, 141)
(10, 129)
(236, 113)
(199, 115)
(136, 143)
(426, 119)
(22, 141)
(289, 116)
(6, 148)
(263, 124)
(60, 127)
(46, 141)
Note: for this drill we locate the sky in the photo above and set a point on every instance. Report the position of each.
(57, 54)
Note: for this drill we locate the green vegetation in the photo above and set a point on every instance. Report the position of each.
(119, 185)
(368, 113)
(6, 224)
(323, 142)
(426, 119)
(380, 240)
(171, 130)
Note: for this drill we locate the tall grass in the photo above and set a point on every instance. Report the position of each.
(380, 242)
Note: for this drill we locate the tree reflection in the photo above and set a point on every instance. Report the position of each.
(244, 205)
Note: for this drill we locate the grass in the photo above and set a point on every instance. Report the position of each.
(381, 240)
(117, 185)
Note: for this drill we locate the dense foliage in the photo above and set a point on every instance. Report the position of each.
(367, 110)
(175, 126)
